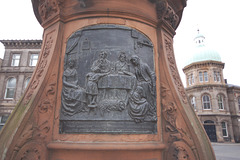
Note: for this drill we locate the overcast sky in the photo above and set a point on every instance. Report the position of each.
(217, 20)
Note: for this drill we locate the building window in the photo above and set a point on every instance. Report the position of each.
(10, 88)
(190, 79)
(33, 60)
(200, 77)
(193, 79)
(217, 76)
(239, 104)
(26, 82)
(205, 76)
(3, 120)
(206, 102)
(220, 102)
(193, 103)
(15, 60)
(224, 129)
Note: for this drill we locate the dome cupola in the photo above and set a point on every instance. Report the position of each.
(202, 52)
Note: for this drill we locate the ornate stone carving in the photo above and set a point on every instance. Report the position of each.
(31, 143)
(32, 151)
(165, 12)
(40, 68)
(174, 71)
(106, 79)
(47, 8)
(180, 151)
(180, 143)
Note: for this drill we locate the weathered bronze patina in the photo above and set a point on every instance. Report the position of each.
(109, 84)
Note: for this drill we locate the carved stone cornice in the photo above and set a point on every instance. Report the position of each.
(208, 63)
(19, 44)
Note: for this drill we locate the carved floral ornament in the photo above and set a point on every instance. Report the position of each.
(166, 13)
(31, 144)
(47, 8)
(40, 68)
(174, 71)
(181, 145)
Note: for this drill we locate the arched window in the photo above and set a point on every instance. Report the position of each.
(224, 129)
(26, 82)
(200, 76)
(206, 102)
(193, 103)
(220, 100)
(10, 88)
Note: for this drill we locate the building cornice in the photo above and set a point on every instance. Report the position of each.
(206, 86)
(203, 64)
(22, 44)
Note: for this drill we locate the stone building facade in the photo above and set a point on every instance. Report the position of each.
(216, 103)
(16, 68)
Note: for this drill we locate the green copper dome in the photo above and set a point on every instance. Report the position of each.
(202, 52)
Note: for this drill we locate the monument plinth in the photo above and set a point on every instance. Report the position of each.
(106, 86)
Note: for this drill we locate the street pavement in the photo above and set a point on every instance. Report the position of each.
(227, 151)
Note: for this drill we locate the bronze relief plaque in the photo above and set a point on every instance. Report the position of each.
(109, 82)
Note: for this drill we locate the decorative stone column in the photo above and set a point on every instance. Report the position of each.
(70, 109)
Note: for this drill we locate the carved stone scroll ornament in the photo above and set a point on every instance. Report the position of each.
(108, 83)
(165, 12)
(40, 68)
(175, 133)
(174, 71)
(31, 144)
(47, 8)
(32, 151)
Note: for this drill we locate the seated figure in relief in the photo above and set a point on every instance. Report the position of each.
(121, 66)
(138, 105)
(73, 96)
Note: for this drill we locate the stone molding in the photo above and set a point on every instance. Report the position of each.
(22, 44)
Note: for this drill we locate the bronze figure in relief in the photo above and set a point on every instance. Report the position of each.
(108, 85)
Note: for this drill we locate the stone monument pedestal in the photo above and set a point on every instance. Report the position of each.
(106, 86)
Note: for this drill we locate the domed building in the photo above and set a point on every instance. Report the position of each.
(216, 103)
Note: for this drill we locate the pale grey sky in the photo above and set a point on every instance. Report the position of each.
(218, 20)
